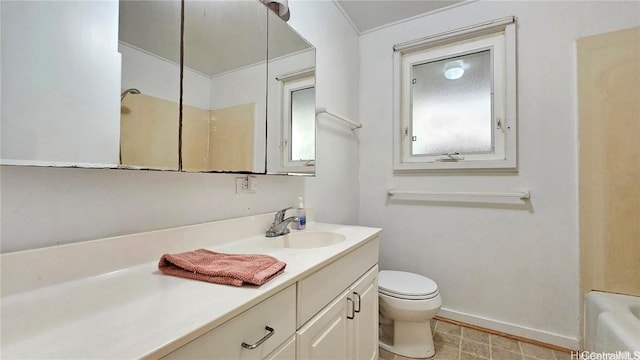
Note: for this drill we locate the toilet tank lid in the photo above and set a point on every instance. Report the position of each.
(406, 283)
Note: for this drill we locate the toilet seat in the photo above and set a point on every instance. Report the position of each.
(405, 285)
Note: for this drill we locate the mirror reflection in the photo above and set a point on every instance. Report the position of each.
(112, 98)
(149, 42)
(292, 106)
(224, 101)
(303, 130)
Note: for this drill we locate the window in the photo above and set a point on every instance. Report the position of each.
(455, 96)
(299, 125)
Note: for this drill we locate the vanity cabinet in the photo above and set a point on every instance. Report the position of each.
(330, 314)
(326, 296)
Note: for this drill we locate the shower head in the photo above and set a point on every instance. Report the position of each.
(129, 91)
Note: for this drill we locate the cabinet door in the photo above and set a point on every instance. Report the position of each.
(325, 335)
(363, 329)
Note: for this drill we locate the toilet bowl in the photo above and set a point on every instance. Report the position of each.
(408, 302)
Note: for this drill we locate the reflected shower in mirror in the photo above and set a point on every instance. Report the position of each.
(149, 41)
(131, 49)
(127, 92)
(224, 102)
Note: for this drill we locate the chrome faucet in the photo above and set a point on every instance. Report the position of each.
(279, 226)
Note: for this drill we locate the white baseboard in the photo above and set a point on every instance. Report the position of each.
(512, 329)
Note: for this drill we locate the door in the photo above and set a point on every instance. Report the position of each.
(609, 90)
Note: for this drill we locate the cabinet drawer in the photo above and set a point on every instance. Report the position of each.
(225, 341)
(318, 289)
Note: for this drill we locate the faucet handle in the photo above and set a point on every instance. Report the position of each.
(280, 214)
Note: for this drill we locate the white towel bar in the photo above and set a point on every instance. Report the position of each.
(354, 125)
(523, 194)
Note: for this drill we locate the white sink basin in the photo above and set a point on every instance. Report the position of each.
(311, 239)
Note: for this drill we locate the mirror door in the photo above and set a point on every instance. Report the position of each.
(60, 83)
(149, 42)
(292, 107)
(224, 99)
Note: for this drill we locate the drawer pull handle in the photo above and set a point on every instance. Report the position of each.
(359, 300)
(353, 312)
(259, 342)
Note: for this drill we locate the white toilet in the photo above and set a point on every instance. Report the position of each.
(408, 302)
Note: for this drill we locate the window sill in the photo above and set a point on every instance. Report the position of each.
(489, 165)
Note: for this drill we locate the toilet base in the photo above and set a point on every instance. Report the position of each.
(412, 339)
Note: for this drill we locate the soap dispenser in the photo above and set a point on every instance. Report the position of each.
(301, 215)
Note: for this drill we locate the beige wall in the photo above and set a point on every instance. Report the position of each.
(218, 140)
(609, 130)
(232, 132)
(149, 132)
(212, 140)
(195, 139)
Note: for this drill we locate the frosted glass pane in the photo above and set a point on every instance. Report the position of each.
(452, 115)
(303, 125)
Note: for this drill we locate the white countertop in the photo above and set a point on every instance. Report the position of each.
(138, 312)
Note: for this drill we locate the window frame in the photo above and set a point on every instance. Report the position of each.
(499, 36)
(302, 81)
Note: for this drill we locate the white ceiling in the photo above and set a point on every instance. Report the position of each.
(369, 14)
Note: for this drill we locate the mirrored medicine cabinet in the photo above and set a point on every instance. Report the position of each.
(103, 84)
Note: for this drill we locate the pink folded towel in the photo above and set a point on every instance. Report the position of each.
(229, 269)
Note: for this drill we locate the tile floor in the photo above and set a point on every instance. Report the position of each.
(454, 342)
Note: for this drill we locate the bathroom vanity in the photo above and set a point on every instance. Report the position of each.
(106, 298)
